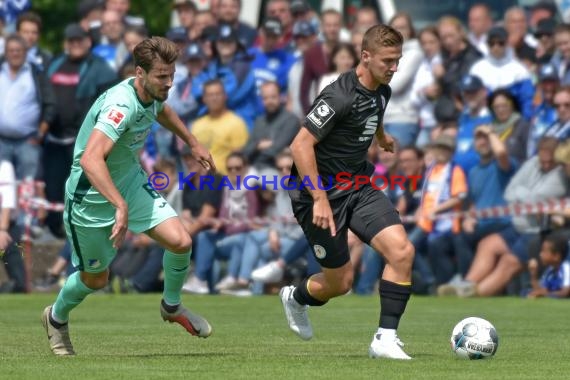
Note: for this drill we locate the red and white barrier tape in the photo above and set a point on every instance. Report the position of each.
(515, 209)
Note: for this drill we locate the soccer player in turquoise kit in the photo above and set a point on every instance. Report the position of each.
(108, 192)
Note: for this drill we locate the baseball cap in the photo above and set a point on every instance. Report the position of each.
(73, 31)
(304, 29)
(471, 83)
(209, 33)
(497, 33)
(547, 72)
(177, 34)
(299, 6)
(226, 33)
(444, 141)
(185, 3)
(272, 26)
(194, 51)
(545, 27)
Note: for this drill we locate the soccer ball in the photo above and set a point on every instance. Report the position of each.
(474, 338)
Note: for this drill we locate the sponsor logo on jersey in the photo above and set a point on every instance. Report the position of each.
(320, 251)
(369, 128)
(115, 117)
(321, 114)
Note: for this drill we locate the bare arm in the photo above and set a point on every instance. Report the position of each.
(303, 150)
(95, 168)
(170, 120)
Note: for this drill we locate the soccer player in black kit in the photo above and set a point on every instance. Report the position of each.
(335, 138)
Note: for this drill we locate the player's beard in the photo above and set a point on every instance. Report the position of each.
(154, 94)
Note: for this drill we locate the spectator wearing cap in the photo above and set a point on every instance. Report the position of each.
(304, 36)
(181, 98)
(186, 13)
(78, 77)
(544, 34)
(29, 26)
(543, 9)
(269, 61)
(446, 118)
(179, 35)
(27, 109)
(501, 69)
(561, 58)
(479, 22)
(228, 13)
(517, 28)
(544, 113)
(233, 66)
(111, 47)
(207, 40)
(561, 127)
(317, 58)
(475, 113)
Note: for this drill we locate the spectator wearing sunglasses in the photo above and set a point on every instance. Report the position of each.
(501, 69)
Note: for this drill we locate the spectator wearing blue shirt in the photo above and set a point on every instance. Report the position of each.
(228, 13)
(232, 65)
(271, 63)
(487, 182)
(555, 281)
(544, 113)
(112, 48)
(475, 113)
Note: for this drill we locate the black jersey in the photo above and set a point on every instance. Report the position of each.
(344, 119)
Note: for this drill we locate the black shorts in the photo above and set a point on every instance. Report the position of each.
(366, 212)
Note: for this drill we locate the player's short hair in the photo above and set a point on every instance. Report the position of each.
(381, 35)
(155, 49)
(559, 243)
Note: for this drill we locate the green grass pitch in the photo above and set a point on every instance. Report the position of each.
(123, 337)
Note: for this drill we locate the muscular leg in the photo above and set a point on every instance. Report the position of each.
(172, 235)
(395, 286)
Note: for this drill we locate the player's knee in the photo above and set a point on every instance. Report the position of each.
(343, 285)
(402, 256)
(95, 281)
(182, 243)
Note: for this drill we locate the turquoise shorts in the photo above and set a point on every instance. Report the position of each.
(92, 251)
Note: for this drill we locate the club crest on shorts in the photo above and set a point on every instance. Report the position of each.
(320, 251)
(320, 114)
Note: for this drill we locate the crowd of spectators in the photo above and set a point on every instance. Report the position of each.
(481, 112)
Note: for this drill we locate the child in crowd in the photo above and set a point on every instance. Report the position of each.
(555, 281)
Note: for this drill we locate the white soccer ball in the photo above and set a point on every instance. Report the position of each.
(474, 338)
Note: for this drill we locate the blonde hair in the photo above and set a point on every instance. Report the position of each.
(381, 35)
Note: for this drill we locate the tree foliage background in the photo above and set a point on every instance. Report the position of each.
(56, 14)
